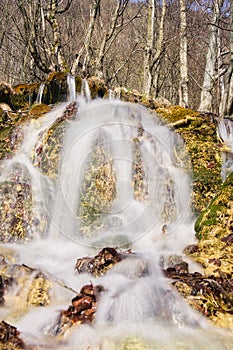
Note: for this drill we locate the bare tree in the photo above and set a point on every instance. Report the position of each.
(227, 98)
(115, 26)
(183, 88)
(211, 58)
(84, 52)
(154, 47)
(149, 48)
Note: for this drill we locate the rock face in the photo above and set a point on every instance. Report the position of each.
(47, 151)
(9, 337)
(24, 95)
(82, 310)
(102, 262)
(200, 136)
(17, 217)
(33, 288)
(214, 251)
(210, 294)
(214, 230)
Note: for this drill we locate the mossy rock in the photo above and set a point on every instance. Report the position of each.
(38, 110)
(33, 289)
(97, 87)
(214, 230)
(6, 93)
(46, 153)
(134, 96)
(24, 95)
(20, 220)
(3, 117)
(199, 134)
(10, 140)
(175, 113)
(78, 84)
(56, 89)
(57, 76)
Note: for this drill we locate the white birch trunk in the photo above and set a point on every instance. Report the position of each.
(227, 98)
(183, 88)
(106, 38)
(209, 75)
(149, 48)
(159, 49)
(56, 48)
(85, 50)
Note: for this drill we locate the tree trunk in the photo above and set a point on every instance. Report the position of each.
(109, 36)
(149, 48)
(183, 88)
(227, 99)
(209, 75)
(85, 50)
(56, 45)
(159, 50)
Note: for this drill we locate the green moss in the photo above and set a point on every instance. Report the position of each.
(39, 109)
(78, 84)
(97, 87)
(200, 137)
(23, 94)
(174, 113)
(57, 76)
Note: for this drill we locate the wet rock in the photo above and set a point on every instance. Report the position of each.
(190, 249)
(82, 310)
(23, 287)
(38, 110)
(56, 89)
(9, 337)
(6, 93)
(135, 97)
(98, 189)
(18, 219)
(140, 184)
(5, 282)
(47, 150)
(211, 295)
(228, 238)
(102, 262)
(10, 140)
(97, 87)
(180, 268)
(214, 232)
(38, 294)
(1, 291)
(201, 141)
(24, 95)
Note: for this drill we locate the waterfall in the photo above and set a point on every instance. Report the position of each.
(146, 179)
(85, 91)
(40, 93)
(123, 180)
(71, 87)
(225, 130)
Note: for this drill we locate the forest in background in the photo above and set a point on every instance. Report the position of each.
(177, 49)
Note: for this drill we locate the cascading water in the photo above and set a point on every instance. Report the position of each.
(40, 93)
(122, 180)
(225, 130)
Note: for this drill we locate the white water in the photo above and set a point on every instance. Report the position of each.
(144, 307)
(225, 130)
(71, 87)
(40, 93)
